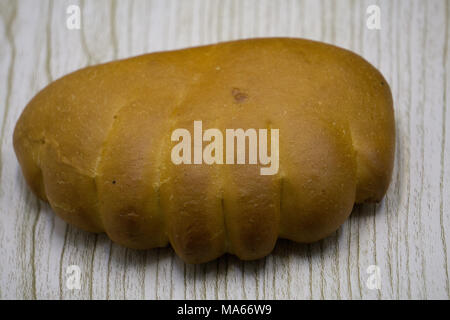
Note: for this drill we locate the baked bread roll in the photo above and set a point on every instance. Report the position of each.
(97, 145)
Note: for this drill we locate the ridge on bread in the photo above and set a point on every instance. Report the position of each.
(96, 145)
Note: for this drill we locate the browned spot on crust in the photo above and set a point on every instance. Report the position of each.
(239, 96)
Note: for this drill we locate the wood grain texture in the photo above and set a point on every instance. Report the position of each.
(406, 235)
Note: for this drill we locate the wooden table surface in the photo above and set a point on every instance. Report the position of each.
(406, 235)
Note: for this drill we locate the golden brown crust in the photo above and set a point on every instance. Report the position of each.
(96, 145)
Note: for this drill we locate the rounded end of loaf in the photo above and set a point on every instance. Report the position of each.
(375, 146)
(27, 153)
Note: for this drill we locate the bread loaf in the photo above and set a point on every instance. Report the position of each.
(97, 144)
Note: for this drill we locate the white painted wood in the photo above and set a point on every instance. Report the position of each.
(406, 235)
